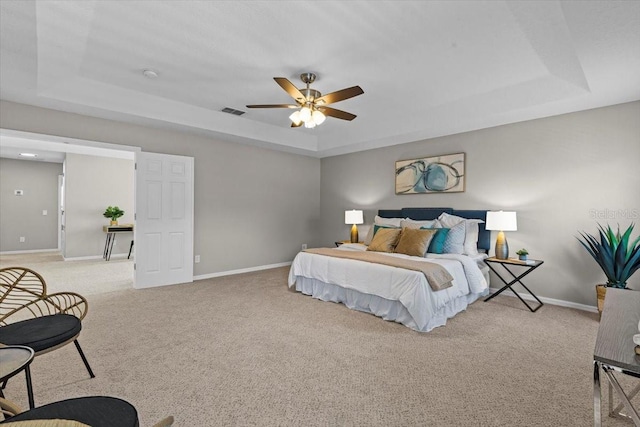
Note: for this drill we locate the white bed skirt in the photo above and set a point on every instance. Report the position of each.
(384, 308)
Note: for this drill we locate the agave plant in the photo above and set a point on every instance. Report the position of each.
(615, 253)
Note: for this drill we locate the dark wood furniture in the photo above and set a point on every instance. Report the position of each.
(342, 242)
(528, 266)
(614, 351)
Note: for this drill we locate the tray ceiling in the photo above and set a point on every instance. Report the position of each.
(427, 68)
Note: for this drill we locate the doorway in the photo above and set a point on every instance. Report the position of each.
(23, 140)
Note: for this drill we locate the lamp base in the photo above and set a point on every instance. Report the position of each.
(502, 247)
(354, 234)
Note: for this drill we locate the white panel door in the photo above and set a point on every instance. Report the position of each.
(164, 220)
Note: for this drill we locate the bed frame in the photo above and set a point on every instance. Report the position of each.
(423, 214)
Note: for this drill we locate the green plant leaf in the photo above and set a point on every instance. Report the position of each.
(615, 253)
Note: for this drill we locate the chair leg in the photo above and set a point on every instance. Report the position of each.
(84, 359)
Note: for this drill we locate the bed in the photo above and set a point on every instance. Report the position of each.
(396, 294)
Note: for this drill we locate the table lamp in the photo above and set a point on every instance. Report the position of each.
(501, 221)
(353, 217)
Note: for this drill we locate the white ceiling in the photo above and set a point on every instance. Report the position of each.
(428, 68)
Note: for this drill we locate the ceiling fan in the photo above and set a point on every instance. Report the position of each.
(312, 104)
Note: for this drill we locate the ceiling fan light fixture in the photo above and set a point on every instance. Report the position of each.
(295, 118)
(318, 117)
(312, 105)
(305, 114)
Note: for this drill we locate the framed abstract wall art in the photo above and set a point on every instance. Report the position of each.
(439, 174)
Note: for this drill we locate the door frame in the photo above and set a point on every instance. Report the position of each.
(71, 145)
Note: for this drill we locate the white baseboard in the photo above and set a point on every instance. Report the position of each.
(94, 257)
(240, 271)
(29, 251)
(551, 301)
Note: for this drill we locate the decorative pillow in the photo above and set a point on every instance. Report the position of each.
(377, 227)
(385, 240)
(378, 220)
(437, 242)
(470, 246)
(414, 242)
(409, 223)
(454, 242)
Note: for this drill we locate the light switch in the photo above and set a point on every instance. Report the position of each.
(18, 192)
(44, 212)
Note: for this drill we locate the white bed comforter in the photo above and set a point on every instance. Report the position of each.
(408, 287)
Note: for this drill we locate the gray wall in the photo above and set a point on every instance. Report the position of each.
(93, 183)
(560, 174)
(22, 215)
(253, 206)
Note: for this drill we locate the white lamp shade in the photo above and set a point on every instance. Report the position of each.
(353, 217)
(305, 114)
(295, 117)
(501, 221)
(318, 117)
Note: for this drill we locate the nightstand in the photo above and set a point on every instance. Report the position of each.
(507, 264)
(341, 242)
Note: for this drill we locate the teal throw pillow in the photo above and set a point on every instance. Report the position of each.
(437, 242)
(377, 227)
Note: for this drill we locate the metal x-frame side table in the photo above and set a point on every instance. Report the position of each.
(506, 263)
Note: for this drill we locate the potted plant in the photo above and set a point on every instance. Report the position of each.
(617, 255)
(113, 213)
(522, 254)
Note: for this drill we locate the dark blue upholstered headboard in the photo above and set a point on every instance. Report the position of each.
(422, 214)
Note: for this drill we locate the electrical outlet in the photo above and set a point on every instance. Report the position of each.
(304, 246)
(22, 239)
(44, 212)
(197, 260)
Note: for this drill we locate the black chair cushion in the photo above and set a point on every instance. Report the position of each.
(96, 411)
(41, 333)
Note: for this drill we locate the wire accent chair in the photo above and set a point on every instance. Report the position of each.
(31, 317)
(94, 411)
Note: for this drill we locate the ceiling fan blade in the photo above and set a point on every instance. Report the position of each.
(340, 95)
(273, 106)
(338, 114)
(290, 88)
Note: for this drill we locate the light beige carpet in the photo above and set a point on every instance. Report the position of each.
(244, 350)
(86, 277)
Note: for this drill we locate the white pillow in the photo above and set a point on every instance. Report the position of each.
(470, 246)
(378, 220)
(391, 222)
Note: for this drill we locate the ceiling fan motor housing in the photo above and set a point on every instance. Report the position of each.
(308, 78)
(310, 94)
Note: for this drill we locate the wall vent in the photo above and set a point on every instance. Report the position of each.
(232, 111)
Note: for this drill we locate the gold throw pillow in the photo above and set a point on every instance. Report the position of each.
(385, 240)
(414, 242)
